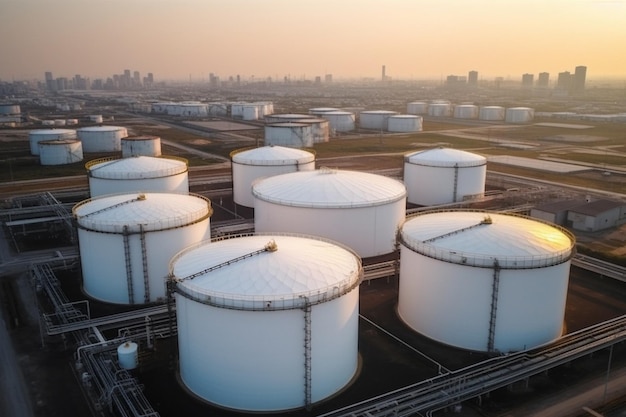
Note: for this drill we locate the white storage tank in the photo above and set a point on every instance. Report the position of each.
(102, 138)
(127, 240)
(519, 115)
(60, 151)
(95, 118)
(267, 323)
(375, 119)
(361, 210)
(252, 164)
(340, 121)
(443, 175)
(165, 174)
(71, 122)
(320, 111)
(47, 122)
(466, 111)
(417, 107)
(291, 134)
(128, 355)
(491, 113)
(287, 117)
(404, 123)
(250, 112)
(59, 122)
(143, 145)
(320, 129)
(440, 109)
(484, 281)
(39, 135)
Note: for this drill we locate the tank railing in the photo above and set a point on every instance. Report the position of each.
(325, 204)
(91, 166)
(140, 197)
(61, 211)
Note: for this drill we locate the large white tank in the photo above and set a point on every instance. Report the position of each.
(250, 112)
(291, 134)
(102, 138)
(127, 240)
(319, 111)
(466, 111)
(361, 210)
(375, 119)
(137, 174)
(440, 109)
(287, 117)
(267, 323)
(519, 115)
(484, 281)
(39, 135)
(60, 151)
(443, 175)
(252, 164)
(492, 113)
(144, 145)
(404, 123)
(340, 121)
(417, 107)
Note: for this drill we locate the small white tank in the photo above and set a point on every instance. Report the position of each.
(95, 118)
(440, 109)
(519, 115)
(491, 113)
(417, 107)
(249, 165)
(36, 136)
(375, 119)
(404, 123)
(59, 122)
(127, 240)
(128, 355)
(320, 129)
(290, 134)
(340, 121)
(144, 145)
(60, 151)
(102, 138)
(250, 112)
(466, 111)
(71, 122)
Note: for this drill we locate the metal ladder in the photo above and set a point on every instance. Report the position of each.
(129, 267)
(494, 306)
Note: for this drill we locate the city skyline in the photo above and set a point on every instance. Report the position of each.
(190, 39)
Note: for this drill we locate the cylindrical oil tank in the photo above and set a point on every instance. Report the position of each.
(291, 134)
(252, 164)
(127, 240)
(267, 323)
(250, 112)
(236, 109)
(102, 138)
(466, 111)
(128, 355)
(491, 113)
(404, 123)
(47, 122)
(340, 121)
(165, 174)
(440, 109)
(320, 129)
(361, 210)
(287, 117)
(60, 151)
(143, 145)
(443, 175)
(519, 115)
(39, 135)
(484, 281)
(319, 111)
(417, 107)
(71, 122)
(375, 119)
(96, 118)
(60, 122)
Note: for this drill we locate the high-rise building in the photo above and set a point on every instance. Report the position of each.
(50, 83)
(564, 81)
(472, 78)
(543, 80)
(328, 78)
(578, 81)
(527, 80)
(384, 76)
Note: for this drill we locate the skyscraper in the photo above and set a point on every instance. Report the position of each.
(384, 76)
(472, 78)
(564, 81)
(527, 80)
(578, 81)
(543, 80)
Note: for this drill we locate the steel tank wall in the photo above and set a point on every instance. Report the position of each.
(417, 107)
(451, 303)
(376, 119)
(96, 118)
(287, 117)
(369, 231)
(250, 112)
(102, 139)
(36, 136)
(404, 123)
(319, 129)
(440, 109)
(60, 152)
(491, 113)
(466, 111)
(141, 146)
(253, 360)
(340, 121)
(431, 185)
(519, 115)
(10, 109)
(293, 135)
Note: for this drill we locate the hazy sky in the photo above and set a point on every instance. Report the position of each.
(415, 39)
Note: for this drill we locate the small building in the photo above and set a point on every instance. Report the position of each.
(597, 215)
(555, 212)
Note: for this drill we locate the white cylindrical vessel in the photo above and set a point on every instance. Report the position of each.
(484, 281)
(60, 122)
(442, 175)
(60, 151)
(138, 174)
(417, 107)
(95, 118)
(375, 119)
(265, 319)
(340, 121)
(128, 355)
(440, 109)
(250, 112)
(36, 136)
(320, 111)
(466, 111)
(102, 138)
(127, 240)
(290, 134)
(361, 210)
(253, 164)
(71, 122)
(491, 113)
(144, 145)
(320, 129)
(404, 123)
(287, 117)
(519, 115)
